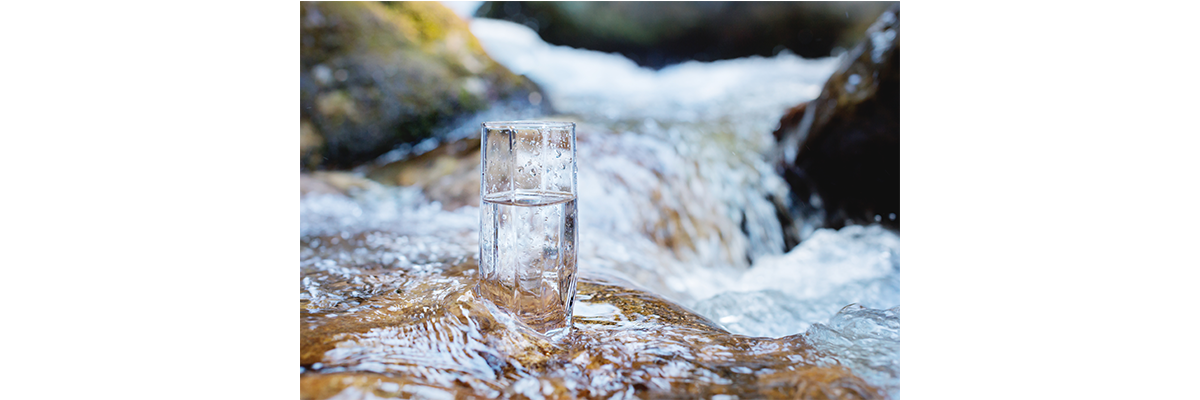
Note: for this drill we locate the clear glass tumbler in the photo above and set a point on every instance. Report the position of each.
(527, 225)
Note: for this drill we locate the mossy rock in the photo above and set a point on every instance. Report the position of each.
(375, 75)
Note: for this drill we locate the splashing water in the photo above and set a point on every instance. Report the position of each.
(602, 85)
(676, 209)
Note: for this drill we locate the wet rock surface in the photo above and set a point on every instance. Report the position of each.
(841, 152)
(411, 326)
(448, 174)
(657, 34)
(387, 309)
(333, 182)
(375, 75)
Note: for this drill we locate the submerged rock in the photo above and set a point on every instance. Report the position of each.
(843, 154)
(374, 326)
(656, 34)
(332, 182)
(448, 174)
(373, 76)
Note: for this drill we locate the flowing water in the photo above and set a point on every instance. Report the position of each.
(684, 288)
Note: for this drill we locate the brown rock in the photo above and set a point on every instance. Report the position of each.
(311, 185)
(846, 148)
(420, 331)
(448, 174)
(376, 75)
(791, 118)
(332, 182)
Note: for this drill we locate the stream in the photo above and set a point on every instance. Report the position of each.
(685, 288)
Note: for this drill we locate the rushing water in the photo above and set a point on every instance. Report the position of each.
(685, 288)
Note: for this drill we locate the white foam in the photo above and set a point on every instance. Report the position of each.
(602, 84)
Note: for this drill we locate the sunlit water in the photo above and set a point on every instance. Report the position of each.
(675, 199)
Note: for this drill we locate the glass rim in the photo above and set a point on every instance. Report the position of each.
(502, 124)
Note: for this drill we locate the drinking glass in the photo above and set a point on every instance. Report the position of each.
(527, 225)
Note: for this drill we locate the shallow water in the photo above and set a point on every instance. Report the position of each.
(370, 328)
(676, 212)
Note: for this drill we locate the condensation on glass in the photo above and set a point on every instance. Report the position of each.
(527, 229)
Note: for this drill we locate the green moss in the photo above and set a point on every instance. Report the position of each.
(376, 75)
(429, 20)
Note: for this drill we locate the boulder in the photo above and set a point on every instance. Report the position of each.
(656, 34)
(374, 75)
(843, 154)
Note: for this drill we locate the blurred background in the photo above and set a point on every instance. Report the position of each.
(657, 34)
(738, 158)
(378, 79)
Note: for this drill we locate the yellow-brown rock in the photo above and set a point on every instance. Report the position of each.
(416, 329)
(376, 75)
